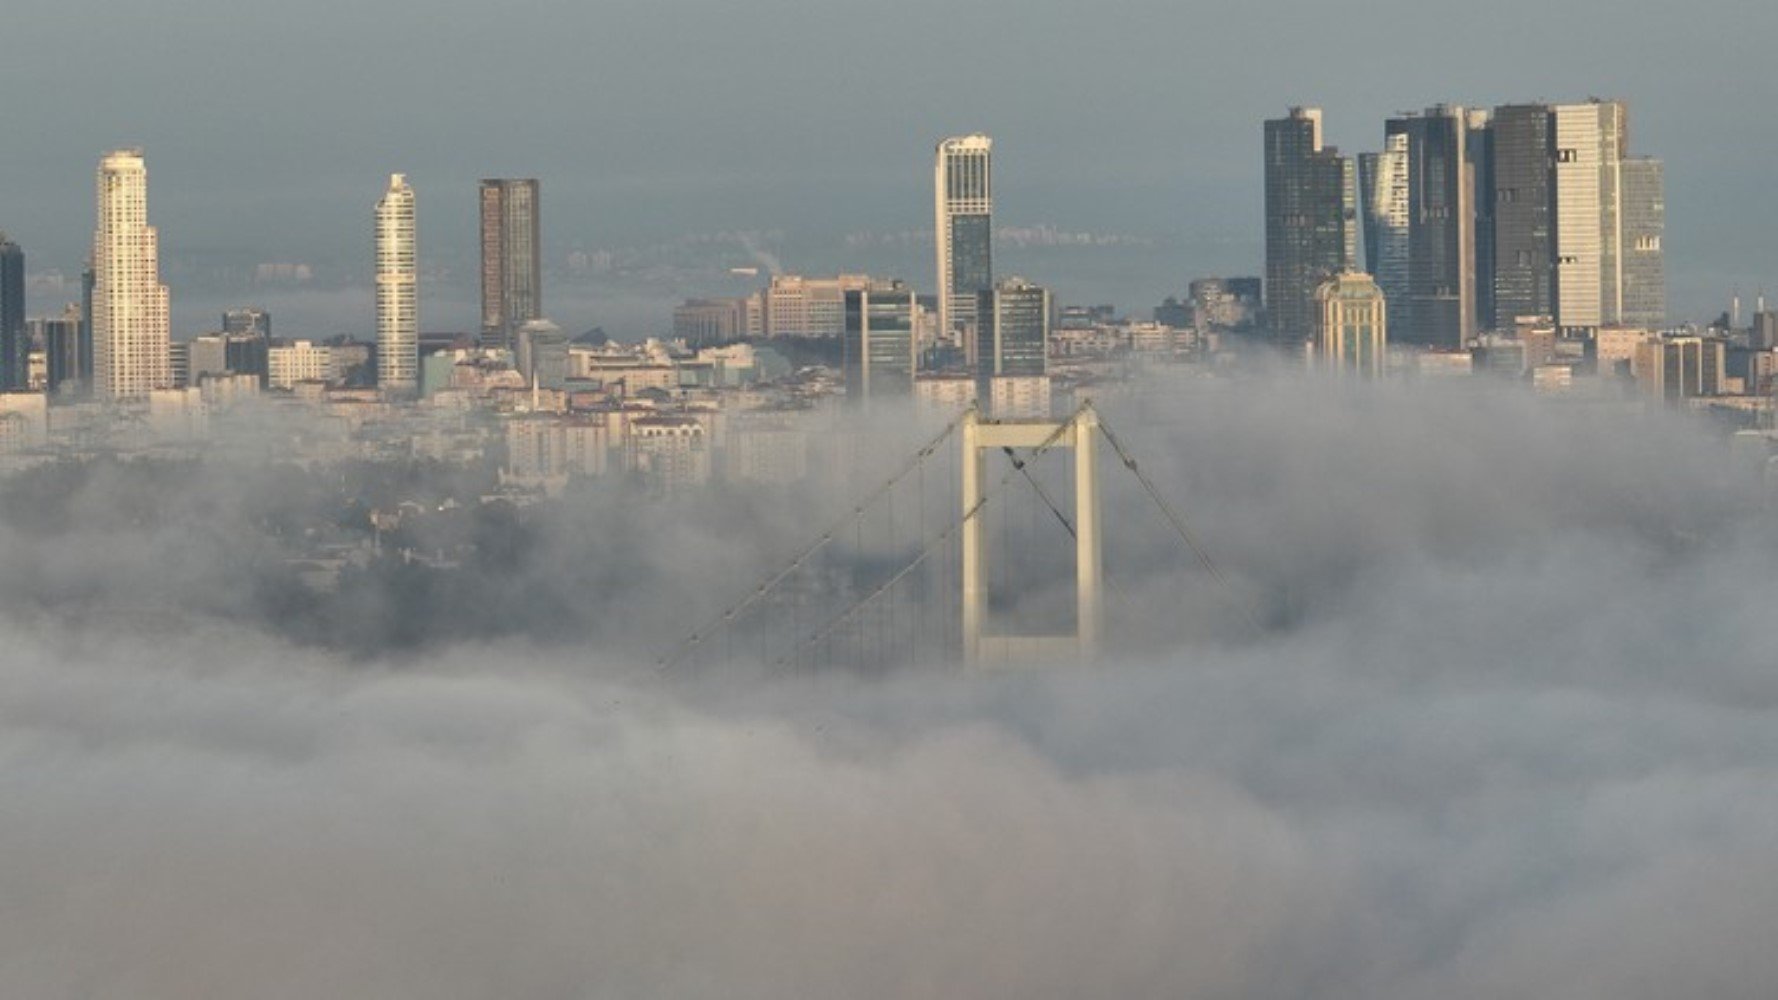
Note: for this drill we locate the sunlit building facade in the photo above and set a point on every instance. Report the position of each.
(1352, 325)
(1383, 178)
(398, 290)
(130, 315)
(963, 188)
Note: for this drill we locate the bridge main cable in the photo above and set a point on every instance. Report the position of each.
(937, 540)
(1176, 521)
(767, 584)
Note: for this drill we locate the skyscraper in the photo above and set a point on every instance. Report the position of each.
(1523, 265)
(1352, 325)
(1384, 179)
(512, 259)
(83, 373)
(1311, 219)
(1440, 310)
(879, 348)
(15, 343)
(61, 350)
(1586, 228)
(129, 315)
(963, 196)
(1012, 333)
(1643, 261)
(1479, 147)
(398, 296)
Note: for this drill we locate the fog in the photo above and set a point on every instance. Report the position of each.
(1485, 708)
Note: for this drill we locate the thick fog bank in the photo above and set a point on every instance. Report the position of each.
(1487, 708)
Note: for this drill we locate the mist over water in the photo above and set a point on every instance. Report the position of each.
(1486, 708)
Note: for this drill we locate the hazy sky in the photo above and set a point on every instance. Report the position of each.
(270, 129)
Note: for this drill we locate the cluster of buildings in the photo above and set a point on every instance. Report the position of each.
(1524, 240)
(1471, 221)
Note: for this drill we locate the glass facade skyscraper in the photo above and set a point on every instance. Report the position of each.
(1311, 219)
(1523, 162)
(879, 344)
(1644, 213)
(1012, 333)
(1440, 310)
(1383, 178)
(512, 258)
(963, 195)
(15, 344)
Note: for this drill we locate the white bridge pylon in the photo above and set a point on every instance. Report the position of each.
(980, 435)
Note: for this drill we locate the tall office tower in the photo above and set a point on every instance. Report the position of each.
(1586, 228)
(1524, 279)
(1351, 325)
(1384, 179)
(879, 347)
(1479, 146)
(1440, 310)
(1644, 270)
(61, 350)
(512, 259)
(963, 199)
(398, 295)
(129, 312)
(15, 341)
(249, 319)
(1012, 334)
(1614, 146)
(1311, 219)
(84, 370)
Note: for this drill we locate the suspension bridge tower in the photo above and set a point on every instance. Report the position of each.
(1079, 433)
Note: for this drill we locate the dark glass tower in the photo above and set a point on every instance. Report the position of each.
(15, 343)
(1642, 191)
(1012, 334)
(879, 342)
(963, 191)
(1523, 187)
(512, 259)
(1311, 219)
(1441, 301)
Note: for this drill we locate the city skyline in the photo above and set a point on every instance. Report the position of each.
(1652, 277)
(1185, 184)
(865, 536)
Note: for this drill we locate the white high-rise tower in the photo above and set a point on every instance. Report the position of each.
(963, 195)
(1588, 221)
(398, 295)
(130, 355)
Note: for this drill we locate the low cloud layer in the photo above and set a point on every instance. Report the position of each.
(1508, 730)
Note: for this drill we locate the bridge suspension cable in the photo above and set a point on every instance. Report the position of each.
(771, 581)
(1175, 520)
(928, 548)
